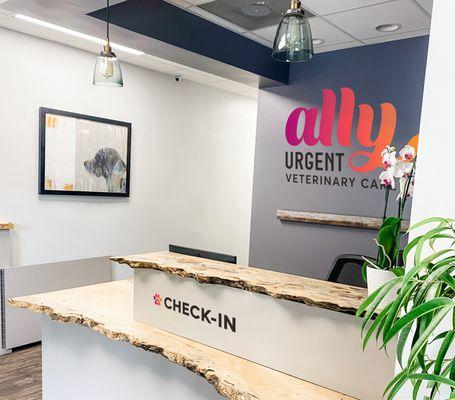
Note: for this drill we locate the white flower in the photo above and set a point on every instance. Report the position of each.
(388, 149)
(387, 179)
(403, 169)
(389, 159)
(407, 153)
(410, 188)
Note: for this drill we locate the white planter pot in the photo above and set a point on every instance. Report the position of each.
(377, 278)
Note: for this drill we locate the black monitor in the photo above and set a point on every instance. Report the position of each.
(203, 254)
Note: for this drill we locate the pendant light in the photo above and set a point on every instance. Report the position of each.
(293, 40)
(107, 69)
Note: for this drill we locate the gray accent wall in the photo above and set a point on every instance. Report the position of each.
(385, 73)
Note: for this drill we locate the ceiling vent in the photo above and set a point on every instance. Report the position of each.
(249, 14)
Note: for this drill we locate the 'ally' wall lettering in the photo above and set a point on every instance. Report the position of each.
(301, 132)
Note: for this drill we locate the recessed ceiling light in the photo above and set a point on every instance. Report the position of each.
(257, 9)
(318, 42)
(389, 27)
(77, 34)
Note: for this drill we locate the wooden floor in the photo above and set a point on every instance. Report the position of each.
(20, 374)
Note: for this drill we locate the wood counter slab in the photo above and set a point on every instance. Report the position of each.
(312, 292)
(6, 226)
(108, 309)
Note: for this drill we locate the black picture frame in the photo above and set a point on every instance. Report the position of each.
(43, 112)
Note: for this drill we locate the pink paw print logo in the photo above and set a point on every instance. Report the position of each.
(157, 299)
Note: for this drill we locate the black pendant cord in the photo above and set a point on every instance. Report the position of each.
(108, 19)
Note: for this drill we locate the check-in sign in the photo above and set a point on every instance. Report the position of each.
(197, 312)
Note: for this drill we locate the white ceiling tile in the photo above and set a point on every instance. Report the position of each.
(320, 29)
(339, 46)
(398, 36)
(427, 5)
(323, 7)
(331, 35)
(361, 23)
(268, 33)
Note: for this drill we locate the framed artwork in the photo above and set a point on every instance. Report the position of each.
(83, 155)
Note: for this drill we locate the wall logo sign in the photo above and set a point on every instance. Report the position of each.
(202, 314)
(346, 133)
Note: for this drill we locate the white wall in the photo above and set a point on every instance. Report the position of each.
(192, 159)
(434, 188)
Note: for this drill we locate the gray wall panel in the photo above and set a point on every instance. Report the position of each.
(391, 72)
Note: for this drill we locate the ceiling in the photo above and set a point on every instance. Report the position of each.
(339, 24)
(157, 56)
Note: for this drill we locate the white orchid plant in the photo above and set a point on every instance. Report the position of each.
(399, 168)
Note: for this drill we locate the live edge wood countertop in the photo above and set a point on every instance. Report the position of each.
(312, 292)
(108, 309)
(6, 226)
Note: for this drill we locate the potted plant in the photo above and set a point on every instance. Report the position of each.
(389, 257)
(422, 316)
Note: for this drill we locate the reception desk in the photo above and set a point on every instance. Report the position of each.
(251, 333)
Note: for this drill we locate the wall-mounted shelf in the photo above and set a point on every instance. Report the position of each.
(350, 221)
(6, 226)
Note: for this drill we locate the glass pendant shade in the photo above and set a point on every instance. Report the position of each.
(107, 69)
(293, 40)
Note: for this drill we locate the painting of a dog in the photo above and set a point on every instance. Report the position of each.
(108, 164)
(83, 155)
